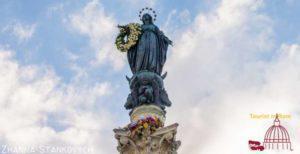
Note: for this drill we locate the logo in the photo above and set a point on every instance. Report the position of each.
(276, 138)
(255, 145)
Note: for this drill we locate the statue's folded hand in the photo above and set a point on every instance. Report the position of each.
(171, 42)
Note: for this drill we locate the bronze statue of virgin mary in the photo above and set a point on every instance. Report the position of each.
(146, 48)
(151, 49)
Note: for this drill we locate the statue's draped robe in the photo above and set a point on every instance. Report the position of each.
(150, 51)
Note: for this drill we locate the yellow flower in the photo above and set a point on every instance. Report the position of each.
(145, 125)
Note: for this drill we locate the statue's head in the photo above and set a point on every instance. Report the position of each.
(145, 16)
(147, 19)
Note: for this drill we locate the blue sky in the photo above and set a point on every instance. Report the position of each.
(220, 45)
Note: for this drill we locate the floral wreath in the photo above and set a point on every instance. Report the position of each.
(147, 123)
(130, 31)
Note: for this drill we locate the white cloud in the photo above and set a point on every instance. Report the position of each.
(38, 109)
(55, 8)
(222, 65)
(22, 31)
(185, 16)
(100, 27)
(169, 19)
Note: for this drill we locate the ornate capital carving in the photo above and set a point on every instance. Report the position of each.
(162, 141)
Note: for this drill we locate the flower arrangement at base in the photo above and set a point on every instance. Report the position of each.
(149, 124)
(131, 32)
